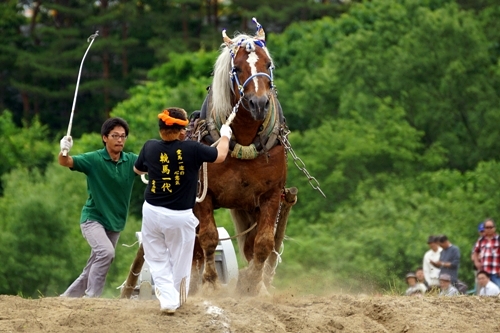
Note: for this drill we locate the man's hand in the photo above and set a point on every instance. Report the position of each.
(66, 143)
(226, 131)
(436, 263)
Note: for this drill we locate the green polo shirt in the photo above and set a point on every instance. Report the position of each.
(109, 187)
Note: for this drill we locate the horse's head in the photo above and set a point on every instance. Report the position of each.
(247, 74)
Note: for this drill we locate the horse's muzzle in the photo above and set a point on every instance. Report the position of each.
(259, 106)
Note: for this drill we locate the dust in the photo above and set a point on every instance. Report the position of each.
(287, 310)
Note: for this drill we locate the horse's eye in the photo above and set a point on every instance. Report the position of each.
(237, 69)
(269, 65)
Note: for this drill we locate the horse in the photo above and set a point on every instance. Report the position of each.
(251, 181)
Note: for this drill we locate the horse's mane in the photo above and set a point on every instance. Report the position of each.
(221, 83)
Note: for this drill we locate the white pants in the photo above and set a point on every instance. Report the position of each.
(168, 239)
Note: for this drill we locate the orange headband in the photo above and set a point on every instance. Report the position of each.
(165, 117)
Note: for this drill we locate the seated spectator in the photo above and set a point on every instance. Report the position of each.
(488, 288)
(447, 288)
(414, 288)
(419, 272)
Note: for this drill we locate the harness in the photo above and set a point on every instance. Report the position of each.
(273, 131)
(207, 127)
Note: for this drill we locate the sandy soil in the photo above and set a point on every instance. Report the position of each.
(281, 312)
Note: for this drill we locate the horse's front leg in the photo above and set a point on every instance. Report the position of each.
(263, 244)
(208, 238)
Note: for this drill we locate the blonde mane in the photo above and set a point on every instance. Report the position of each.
(221, 107)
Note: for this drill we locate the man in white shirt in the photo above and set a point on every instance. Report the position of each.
(488, 288)
(431, 273)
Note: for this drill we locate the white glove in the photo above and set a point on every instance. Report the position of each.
(226, 131)
(66, 143)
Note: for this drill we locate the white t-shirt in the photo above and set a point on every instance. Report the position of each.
(490, 289)
(431, 273)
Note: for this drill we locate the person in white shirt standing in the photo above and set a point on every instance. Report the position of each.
(431, 273)
(488, 288)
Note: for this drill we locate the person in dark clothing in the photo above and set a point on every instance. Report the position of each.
(449, 261)
(168, 222)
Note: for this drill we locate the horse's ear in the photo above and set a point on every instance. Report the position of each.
(259, 34)
(226, 39)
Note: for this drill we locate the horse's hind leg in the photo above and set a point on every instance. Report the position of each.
(196, 268)
(208, 238)
(288, 200)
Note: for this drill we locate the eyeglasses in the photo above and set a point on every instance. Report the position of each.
(116, 136)
(489, 227)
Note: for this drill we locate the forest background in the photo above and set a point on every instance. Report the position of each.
(393, 107)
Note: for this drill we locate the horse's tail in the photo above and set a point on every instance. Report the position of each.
(242, 220)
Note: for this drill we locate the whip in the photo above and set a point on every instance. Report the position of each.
(91, 40)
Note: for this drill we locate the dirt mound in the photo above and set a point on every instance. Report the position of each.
(277, 313)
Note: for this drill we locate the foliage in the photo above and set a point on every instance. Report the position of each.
(38, 211)
(435, 64)
(24, 147)
(381, 235)
(43, 44)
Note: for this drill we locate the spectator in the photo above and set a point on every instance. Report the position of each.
(487, 251)
(488, 288)
(431, 273)
(473, 256)
(449, 260)
(419, 272)
(414, 287)
(447, 288)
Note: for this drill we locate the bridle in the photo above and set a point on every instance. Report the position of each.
(250, 44)
(234, 75)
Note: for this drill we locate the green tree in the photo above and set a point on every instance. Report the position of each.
(23, 147)
(10, 22)
(38, 211)
(371, 243)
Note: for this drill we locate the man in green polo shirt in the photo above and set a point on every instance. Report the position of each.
(110, 178)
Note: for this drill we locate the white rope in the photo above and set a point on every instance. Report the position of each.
(122, 285)
(205, 177)
(203, 183)
(126, 245)
(278, 255)
(204, 167)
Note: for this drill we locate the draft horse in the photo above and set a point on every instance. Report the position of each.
(251, 181)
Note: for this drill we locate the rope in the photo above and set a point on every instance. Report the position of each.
(237, 235)
(203, 183)
(204, 168)
(126, 245)
(278, 255)
(240, 234)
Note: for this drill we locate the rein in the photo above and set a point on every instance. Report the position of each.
(238, 235)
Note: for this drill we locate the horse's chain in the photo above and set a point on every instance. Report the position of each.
(297, 160)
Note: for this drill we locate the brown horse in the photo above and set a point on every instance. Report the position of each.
(251, 180)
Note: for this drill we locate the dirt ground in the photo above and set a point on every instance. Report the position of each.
(280, 312)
